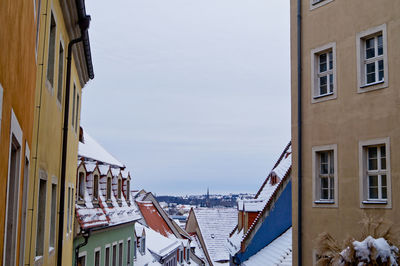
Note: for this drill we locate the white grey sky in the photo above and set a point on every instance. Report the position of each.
(190, 94)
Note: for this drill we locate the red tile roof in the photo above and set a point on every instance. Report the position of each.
(153, 218)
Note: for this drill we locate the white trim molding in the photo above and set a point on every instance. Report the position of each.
(317, 202)
(365, 202)
(361, 37)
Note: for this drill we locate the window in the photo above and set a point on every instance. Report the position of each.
(68, 209)
(128, 252)
(81, 186)
(96, 188)
(372, 59)
(72, 210)
(317, 3)
(114, 255)
(60, 72)
(41, 216)
(107, 262)
(375, 172)
(134, 249)
(128, 189)
(52, 44)
(97, 257)
(108, 188)
(120, 253)
(12, 197)
(188, 253)
(53, 215)
(119, 188)
(180, 256)
(323, 71)
(143, 244)
(325, 181)
(73, 107)
(77, 113)
(82, 259)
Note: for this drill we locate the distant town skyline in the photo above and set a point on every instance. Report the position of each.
(190, 95)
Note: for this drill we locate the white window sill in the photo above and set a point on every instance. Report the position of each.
(323, 95)
(372, 84)
(324, 202)
(375, 201)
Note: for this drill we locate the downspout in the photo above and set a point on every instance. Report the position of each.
(86, 235)
(84, 25)
(299, 137)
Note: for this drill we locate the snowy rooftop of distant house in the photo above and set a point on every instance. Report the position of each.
(215, 225)
(278, 252)
(91, 149)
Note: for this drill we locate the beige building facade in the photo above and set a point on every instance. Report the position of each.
(350, 118)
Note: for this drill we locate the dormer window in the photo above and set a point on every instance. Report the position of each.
(128, 188)
(119, 188)
(81, 186)
(187, 250)
(96, 188)
(108, 188)
(142, 242)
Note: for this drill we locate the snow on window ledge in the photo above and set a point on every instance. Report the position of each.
(374, 202)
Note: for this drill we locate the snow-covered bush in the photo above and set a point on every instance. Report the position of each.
(376, 247)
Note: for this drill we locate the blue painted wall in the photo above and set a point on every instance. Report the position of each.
(276, 223)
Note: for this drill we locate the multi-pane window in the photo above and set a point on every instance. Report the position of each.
(81, 186)
(325, 73)
(41, 218)
(114, 255)
(373, 59)
(326, 175)
(96, 188)
(376, 172)
(128, 253)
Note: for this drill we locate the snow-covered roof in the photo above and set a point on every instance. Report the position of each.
(91, 149)
(277, 253)
(215, 225)
(153, 218)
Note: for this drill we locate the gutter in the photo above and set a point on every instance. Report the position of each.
(86, 235)
(299, 137)
(84, 21)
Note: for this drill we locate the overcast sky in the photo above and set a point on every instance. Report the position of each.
(190, 94)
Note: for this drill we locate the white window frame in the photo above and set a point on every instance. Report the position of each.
(83, 254)
(318, 3)
(15, 132)
(317, 202)
(315, 74)
(94, 255)
(114, 244)
(365, 202)
(361, 61)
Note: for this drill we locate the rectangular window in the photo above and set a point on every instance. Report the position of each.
(114, 255)
(68, 206)
(52, 44)
(77, 113)
(375, 173)
(97, 257)
(53, 215)
(323, 71)
(134, 249)
(372, 59)
(325, 181)
(41, 217)
(120, 254)
(12, 200)
(72, 210)
(128, 252)
(109, 188)
(60, 73)
(107, 262)
(81, 186)
(96, 188)
(82, 260)
(73, 107)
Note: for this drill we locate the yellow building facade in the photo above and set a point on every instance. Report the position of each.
(345, 78)
(51, 186)
(17, 92)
